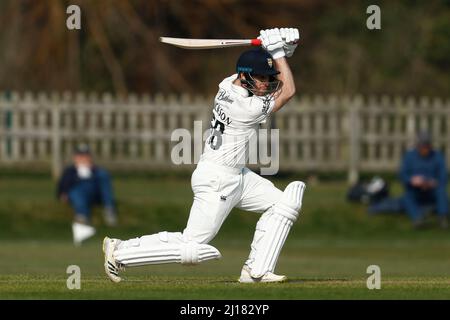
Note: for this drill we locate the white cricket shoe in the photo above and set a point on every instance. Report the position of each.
(268, 277)
(112, 268)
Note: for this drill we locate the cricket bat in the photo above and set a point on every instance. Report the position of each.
(209, 43)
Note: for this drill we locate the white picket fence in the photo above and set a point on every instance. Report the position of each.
(323, 134)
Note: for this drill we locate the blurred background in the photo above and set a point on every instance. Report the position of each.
(362, 96)
(117, 48)
(114, 85)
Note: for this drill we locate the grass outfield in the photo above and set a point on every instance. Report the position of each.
(316, 271)
(325, 257)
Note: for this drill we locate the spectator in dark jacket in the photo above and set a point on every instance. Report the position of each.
(424, 176)
(83, 185)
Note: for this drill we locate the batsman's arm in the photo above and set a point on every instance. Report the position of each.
(287, 90)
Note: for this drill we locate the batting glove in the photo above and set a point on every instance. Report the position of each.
(290, 38)
(272, 42)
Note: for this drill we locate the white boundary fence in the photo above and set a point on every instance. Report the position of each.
(317, 133)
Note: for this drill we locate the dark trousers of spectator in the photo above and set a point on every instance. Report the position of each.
(415, 199)
(387, 205)
(93, 191)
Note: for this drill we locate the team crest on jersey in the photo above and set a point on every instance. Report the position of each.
(270, 62)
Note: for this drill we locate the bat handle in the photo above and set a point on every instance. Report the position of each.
(255, 42)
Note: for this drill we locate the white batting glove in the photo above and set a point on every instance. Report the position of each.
(272, 42)
(290, 38)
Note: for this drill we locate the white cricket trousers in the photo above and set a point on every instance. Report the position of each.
(217, 190)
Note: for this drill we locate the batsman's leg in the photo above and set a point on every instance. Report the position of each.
(280, 210)
(159, 248)
(163, 247)
(274, 228)
(190, 247)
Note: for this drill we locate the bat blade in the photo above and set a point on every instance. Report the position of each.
(209, 43)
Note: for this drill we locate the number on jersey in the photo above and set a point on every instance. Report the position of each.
(217, 129)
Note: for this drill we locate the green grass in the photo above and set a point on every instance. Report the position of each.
(325, 257)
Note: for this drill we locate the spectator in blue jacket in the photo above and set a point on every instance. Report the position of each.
(424, 177)
(83, 185)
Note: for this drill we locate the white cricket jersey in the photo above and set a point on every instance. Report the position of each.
(236, 119)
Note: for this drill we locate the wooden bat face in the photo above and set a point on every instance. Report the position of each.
(209, 43)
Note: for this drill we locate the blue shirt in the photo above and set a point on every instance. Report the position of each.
(70, 178)
(431, 167)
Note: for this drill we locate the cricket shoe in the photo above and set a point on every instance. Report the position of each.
(268, 277)
(112, 268)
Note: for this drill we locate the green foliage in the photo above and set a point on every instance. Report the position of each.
(437, 48)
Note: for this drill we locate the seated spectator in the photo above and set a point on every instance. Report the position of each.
(424, 178)
(84, 185)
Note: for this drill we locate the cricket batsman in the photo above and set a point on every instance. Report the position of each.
(262, 85)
